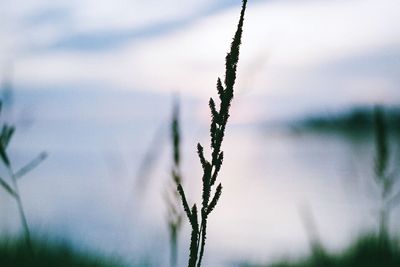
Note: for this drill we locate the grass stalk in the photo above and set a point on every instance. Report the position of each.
(13, 189)
(175, 212)
(219, 119)
(383, 177)
(24, 221)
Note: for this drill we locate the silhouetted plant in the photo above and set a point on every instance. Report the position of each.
(12, 188)
(383, 177)
(175, 212)
(219, 118)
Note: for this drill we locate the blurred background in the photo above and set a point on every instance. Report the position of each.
(92, 83)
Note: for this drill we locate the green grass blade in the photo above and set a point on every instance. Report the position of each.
(7, 187)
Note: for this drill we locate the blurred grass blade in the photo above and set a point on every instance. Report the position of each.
(6, 134)
(7, 187)
(31, 165)
(149, 161)
(3, 155)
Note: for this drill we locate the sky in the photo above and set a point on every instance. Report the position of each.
(317, 52)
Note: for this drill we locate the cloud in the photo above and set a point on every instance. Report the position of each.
(33, 25)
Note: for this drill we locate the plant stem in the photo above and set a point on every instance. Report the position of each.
(174, 247)
(24, 221)
(172, 197)
(219, 119)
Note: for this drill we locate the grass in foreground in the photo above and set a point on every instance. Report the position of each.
(172, 198)
(219, 119)
(10, 185)
(15, 253)
(368, 251)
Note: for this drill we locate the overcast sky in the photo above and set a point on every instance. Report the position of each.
(347, 50)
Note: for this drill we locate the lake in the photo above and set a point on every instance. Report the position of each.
(102, 186)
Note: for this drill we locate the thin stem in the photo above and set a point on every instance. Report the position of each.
(203, 238)
(194, 248)
(203, 226)
(174, 205)
(24, 223)
(174, 248)
(30, 166)
(21, 210)
(200, 231)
